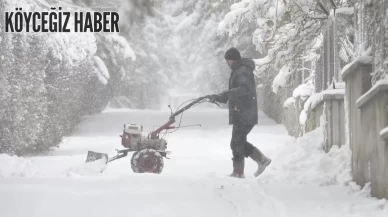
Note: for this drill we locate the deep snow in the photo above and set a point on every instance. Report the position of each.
(301, 181)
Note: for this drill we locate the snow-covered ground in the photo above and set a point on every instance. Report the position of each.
(301, 181)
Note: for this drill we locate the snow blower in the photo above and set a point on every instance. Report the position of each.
(149, 150)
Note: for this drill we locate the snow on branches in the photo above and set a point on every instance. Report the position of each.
(286, 32)
(49, 81)
(281, 79)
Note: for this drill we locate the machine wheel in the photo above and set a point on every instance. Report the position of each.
(147, 161)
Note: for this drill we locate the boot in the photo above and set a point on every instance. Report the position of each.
(238, 169)
(261, 160)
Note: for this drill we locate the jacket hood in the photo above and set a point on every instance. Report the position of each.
(244, 62)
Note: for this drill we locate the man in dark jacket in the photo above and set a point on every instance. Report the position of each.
(243, 112)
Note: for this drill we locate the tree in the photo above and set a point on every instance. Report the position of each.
(288, 33)
(285, 31)
(6, 58)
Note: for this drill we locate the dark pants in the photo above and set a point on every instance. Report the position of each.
(240, 146)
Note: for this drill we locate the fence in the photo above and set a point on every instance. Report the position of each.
(333, 55)
(357, 113)
(367, 100)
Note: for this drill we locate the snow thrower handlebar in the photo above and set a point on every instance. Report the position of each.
(194, 102)
(154, 134)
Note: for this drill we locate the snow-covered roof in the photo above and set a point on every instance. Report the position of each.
(380, 86)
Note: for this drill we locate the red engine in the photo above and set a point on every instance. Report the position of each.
(132, 137)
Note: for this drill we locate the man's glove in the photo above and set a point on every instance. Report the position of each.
(215, 98)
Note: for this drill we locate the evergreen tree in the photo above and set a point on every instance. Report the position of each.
(6, 62)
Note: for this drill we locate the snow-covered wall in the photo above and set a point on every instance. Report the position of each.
(371, 151)
(366, 100)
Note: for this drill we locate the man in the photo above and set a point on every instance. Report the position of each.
(243, 112)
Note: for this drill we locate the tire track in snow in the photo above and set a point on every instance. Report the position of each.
(236, 206)
(246, 197)
(219, 190)
(278, 205)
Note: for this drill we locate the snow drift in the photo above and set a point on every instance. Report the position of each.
(91, 168)
(303, 161)
(12, 166)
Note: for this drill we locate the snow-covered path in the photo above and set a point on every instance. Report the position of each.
(301, 181)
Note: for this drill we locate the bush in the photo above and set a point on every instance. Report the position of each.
(48, 82)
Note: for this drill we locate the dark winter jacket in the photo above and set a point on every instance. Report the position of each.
(241, 95)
